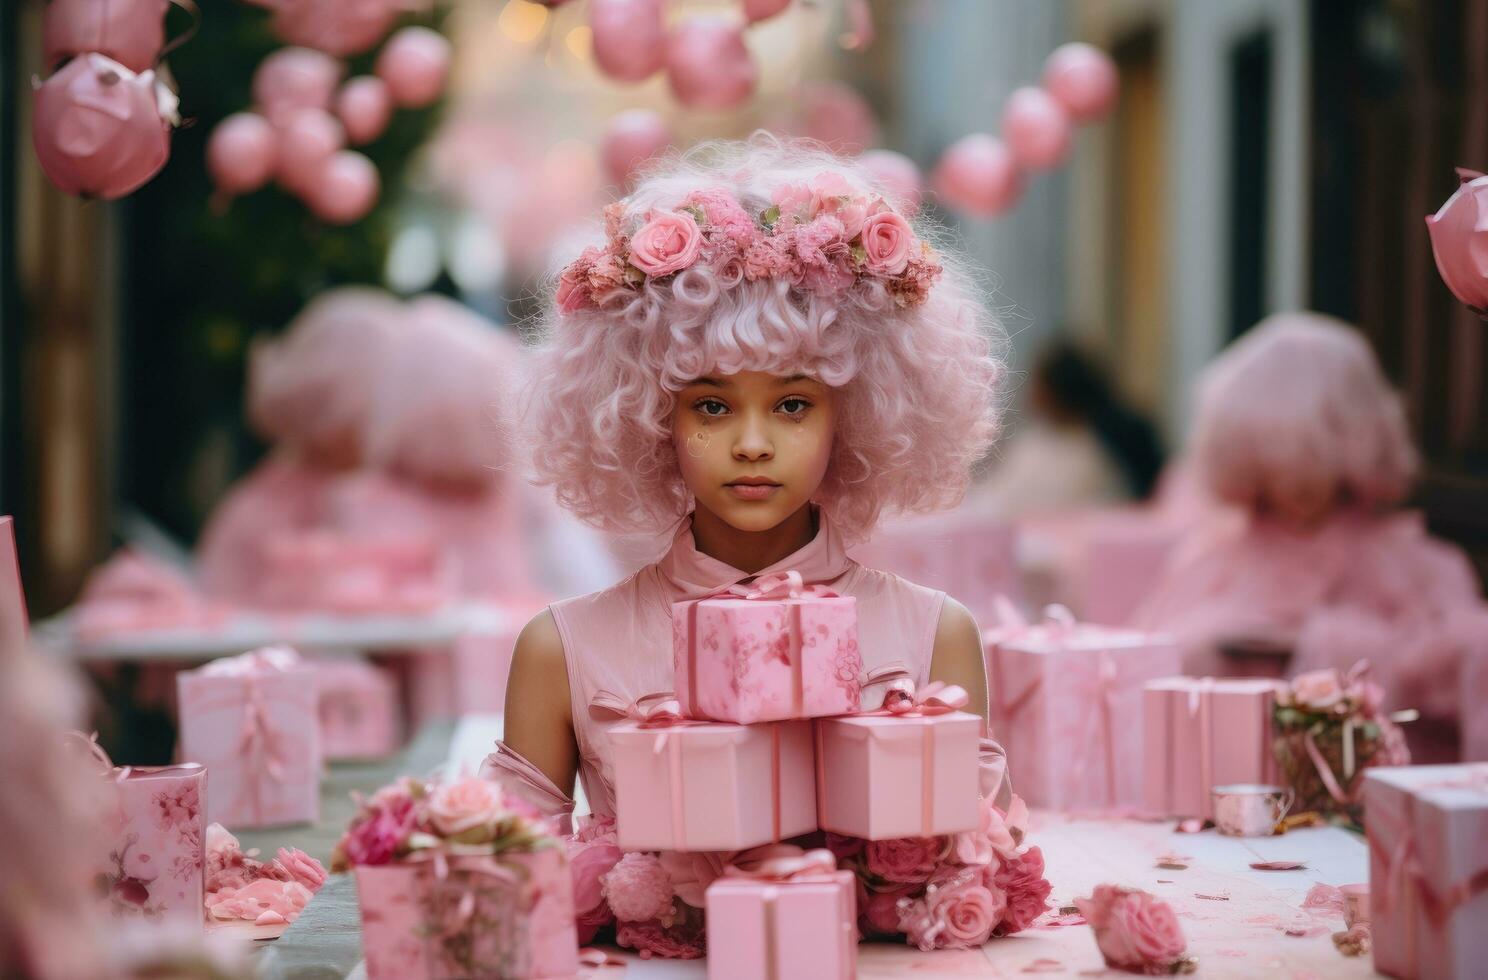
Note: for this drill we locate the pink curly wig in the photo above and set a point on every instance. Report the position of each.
(1297, 419)
(918, 383)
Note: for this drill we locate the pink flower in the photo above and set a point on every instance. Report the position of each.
(177, 806)
(571, 295)
(588, 864)
(1134, 930)
(907, 859)
(651, 939)
(668, 243)
(724, 215)
(1022, 881)
(881, 911)
(770, 258)
(692, 873)
(959, 911)
(1317, 689)
(844, 846)
(638, 888)
(293, 864)
(794, 202)
(376, 836)
(887, 240)
(468, 804)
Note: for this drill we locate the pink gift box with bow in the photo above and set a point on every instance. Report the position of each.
(360, 714)
(907, 771)
(1428, 869)
(253, 720)
(792, 917)
(709, 786)
(1198, 733)
(772, 652)
(1066, 704)
(505, 916)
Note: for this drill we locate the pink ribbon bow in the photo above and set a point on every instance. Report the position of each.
(773, 587)
(935, 698)
(782, 862)
(659, 709)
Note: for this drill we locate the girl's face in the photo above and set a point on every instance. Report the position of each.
(753, 447)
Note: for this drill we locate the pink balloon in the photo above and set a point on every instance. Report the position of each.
(899, 176)
(295, 78)
(97, 128)
(242, 153)
(1459, 241)
(977, 174)
(758, 10)
(630, 139)
(364, 107)
(415, 65)
(629, 38)
(1084, 79)
(708, 65)
(306, 141)
(338, 27)
(1036, 128)
(834, 113)
(131, 32)
(345, 189)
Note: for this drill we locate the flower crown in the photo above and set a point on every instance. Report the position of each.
(820, 236)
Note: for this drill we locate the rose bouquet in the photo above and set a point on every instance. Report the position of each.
(1329, 729)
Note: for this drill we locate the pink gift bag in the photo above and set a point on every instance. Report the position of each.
(1199, 733)
(1066, 704)
(910, 770)
(773, 652)
(504, 916)
(360, 714)
(790, 916)
(253, 720)
(1428, 870)
(709, 786)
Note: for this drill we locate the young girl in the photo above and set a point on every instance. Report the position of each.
(765, 356)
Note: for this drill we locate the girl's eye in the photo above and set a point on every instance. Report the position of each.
(794, 406)
(711, 407)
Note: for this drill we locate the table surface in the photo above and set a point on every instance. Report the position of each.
(1240, 922)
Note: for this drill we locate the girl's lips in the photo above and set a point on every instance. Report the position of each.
(753, 491)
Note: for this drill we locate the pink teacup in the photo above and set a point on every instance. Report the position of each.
(1250, 809)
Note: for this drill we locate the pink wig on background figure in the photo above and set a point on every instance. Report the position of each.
(917, 379)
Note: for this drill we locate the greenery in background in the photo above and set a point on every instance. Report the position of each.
(199, 283)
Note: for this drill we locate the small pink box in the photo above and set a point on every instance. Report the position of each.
(882, 777)
(155, 820)
(505, 916)
(253, 720)
(704, 786)
(1066, 704)
(749, 660)
(1199, 733)
(360, 715)
(1428, 869)
(785, 930)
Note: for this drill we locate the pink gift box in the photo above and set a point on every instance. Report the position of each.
(969, 555)
(771, 657)
(881, 777)
(783, 930)
(1066, 704)
(253, 720)
(155, 821)
(1199, 733)
(1428, 869)
(1119, 563)
(360, 715)
(703, 786)
(506, 916)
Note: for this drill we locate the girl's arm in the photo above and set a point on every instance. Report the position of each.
(958, 655)
(539, 720)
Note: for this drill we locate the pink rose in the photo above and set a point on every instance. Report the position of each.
(887, 239)
(571, 295)
(669, 242)
(470, 803)
(1134, 930)
(588, 864)
(907, 859)
(881, 912)
(1459, 241)
(1022, 881)
(958, 911)
(378, 835)
(1317, 689)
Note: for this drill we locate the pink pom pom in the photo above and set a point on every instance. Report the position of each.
(131, 32)
(1084, 79)
(629, 38)
(345, 190)
(415, 65)
(899, 175)
(977, 174)
(758, 10)
(630, 139)
(97, 128)
(708, 65)
(241, 153)
(1036, 128)
(638, 888)
(338, 27)
(306, 141)
(295, 78)
(364, 107)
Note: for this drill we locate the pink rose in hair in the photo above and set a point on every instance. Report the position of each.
(725, 214)
(1022, 881)
(469, 804)
(907, 859)
(588, 864)
(667, 243)
(571, 295)
(1317, 689)
(887, 240)
(1135, 931)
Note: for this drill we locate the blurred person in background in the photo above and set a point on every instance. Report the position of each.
(1300, 434)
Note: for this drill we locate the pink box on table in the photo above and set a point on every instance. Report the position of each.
(881, 777)
(1198, 733)
(360, 714)
(706, 786)
(505, 916)
(1428, 869)
(787, 930)
(253, 720)
(771, 653)
(1066, 704)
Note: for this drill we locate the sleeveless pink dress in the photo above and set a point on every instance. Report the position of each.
(620, 640)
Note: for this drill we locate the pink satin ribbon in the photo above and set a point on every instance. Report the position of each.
(660, 709)
(89, 744)
(261, 749)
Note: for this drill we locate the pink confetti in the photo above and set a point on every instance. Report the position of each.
(1044, 965)
(1278, 865)
(1324, 898)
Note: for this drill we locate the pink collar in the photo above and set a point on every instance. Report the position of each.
(689, 574)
